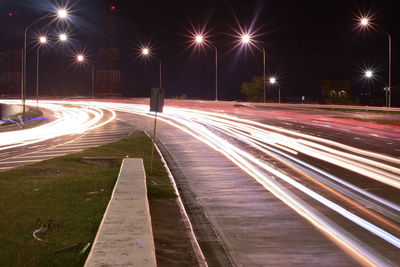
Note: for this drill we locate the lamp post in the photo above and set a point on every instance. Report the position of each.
(80, 58)
(246, 39)
(199, 39)
(364, 22)
(272, 81)
(42, 41)
(146, 52)
(62, 14)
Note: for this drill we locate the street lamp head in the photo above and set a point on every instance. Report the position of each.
(80, 58)
(62, 13)
(368, 73)
(272, 80)
(43, 39)
(199, 39)
(63, 37)
(245, 38)
(145, 51)
(364, 22)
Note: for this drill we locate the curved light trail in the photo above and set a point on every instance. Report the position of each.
(251, 141)
(68, 120)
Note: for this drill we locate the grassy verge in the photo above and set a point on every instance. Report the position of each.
(390, 122)
(349, 110)
(71, 194)
(383, 112)
(28, 114)
(31, 114)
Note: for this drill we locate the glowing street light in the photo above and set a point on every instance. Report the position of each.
(80, 58)
(199, 39)
(365, 23)
(272, 80)
(43, 39)
(62, 13)
(369, 73)
(246, 40)
(63, 37)
(145, 51)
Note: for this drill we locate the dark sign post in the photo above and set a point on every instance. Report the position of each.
(156, 105)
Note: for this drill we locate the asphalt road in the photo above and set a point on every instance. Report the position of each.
(274, 186)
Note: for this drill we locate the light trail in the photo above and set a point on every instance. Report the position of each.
(68, 121)
(251, 140)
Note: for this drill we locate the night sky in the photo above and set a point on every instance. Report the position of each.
(305, 42)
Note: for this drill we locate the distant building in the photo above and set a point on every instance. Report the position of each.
(11, 56)
(108, 74)
(336, 91)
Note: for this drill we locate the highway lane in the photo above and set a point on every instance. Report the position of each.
(341, 176)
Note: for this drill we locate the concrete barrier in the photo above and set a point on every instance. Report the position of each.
(125, 236)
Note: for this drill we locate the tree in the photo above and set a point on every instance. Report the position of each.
(254, 90)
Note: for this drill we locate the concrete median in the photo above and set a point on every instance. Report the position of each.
(125, 236)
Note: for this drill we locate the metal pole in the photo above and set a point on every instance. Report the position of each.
(92, 81)
(24, 74)
(37, 77)
(160, 73)
(216, 73)
(264, 71)
(390, 69)
(279, 95)
(154, 139)
(24, 64)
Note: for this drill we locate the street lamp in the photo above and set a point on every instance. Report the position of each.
(246, 40)
(62, 14)
(368, 73)
(63, 37)
(364, 22)
(200, 40)
(272, 81)
(42, 41)
(146, 52)
(80, 58)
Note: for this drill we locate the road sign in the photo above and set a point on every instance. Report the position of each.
(157, 99)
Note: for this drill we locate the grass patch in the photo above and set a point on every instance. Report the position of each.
(390, 122)
(31, 114)
(386, 112)
(349, 110)
(57, 190)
